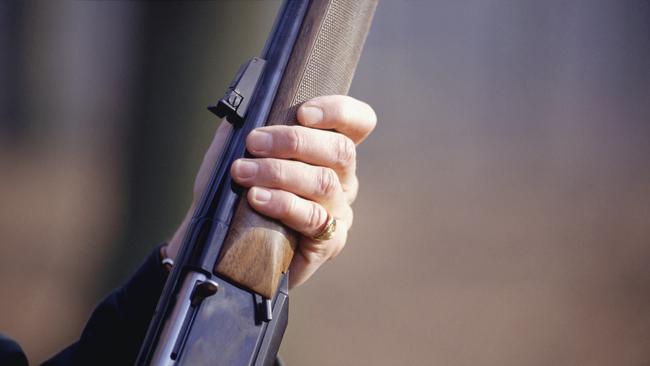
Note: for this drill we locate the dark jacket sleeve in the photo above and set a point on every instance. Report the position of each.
(10, 352)
(116, 328)
(118, 325)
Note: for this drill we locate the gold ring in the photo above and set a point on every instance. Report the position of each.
(328, 231)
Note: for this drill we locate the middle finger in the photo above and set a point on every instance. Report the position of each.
(318, 147)
(316, 183)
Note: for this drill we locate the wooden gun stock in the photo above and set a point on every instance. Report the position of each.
(258, 250)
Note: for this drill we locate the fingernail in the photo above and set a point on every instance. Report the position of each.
(311, 115)
(260, 141)
(245, 169)
(261, 195)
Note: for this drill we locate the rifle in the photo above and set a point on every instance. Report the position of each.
(225, 301)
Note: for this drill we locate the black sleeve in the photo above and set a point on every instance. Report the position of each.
(118, 325)
(10, 352)
(116, 328)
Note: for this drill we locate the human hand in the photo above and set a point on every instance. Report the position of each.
(299, 175)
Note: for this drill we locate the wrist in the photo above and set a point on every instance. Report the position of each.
(165, 260)
(171, 249)
(174, 244)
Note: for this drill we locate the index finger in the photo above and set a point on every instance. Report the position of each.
(342, 113)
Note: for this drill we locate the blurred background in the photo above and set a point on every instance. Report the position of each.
(504, 215)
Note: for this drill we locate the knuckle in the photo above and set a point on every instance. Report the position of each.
(294, 140)
(287, 206)
(275, 171)
(346, 152)
(315, 218)
(327, 182)
(351, 189)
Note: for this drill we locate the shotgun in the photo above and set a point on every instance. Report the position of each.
(225, 301)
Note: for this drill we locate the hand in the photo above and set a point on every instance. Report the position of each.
(300, 174)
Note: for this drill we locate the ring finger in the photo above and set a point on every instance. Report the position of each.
(306, 217)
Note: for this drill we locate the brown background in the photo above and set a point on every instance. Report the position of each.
(504, 217)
